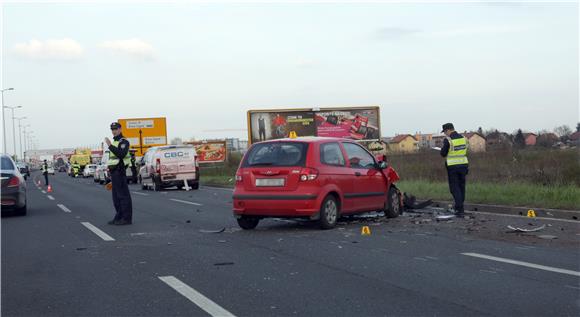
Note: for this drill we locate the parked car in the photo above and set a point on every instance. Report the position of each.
(13, 187)
(170, 165)
(89, 170)
(101, 175)
(24, 170)
(62, 169)
(50, 170)
(315, 178)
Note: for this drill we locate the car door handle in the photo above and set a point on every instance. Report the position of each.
(357, 173)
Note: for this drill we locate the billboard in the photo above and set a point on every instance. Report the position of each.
(143, 133)
(357, 123)
(210, 151)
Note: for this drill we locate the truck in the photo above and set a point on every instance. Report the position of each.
(81, 157)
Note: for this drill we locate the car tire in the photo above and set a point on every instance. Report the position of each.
(21, 211)
(248, 223)
(393, 204)
(329, 212)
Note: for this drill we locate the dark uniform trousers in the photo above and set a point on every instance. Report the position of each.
(46, 178)
(456, 176)
(121, 196)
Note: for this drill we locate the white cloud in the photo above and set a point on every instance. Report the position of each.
(305, 63)
(484, 30)
(132, 47)
(60, 49)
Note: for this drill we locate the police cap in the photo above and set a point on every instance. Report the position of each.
(448, 126)
(115, 125)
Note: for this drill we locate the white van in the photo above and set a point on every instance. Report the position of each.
(169, 165)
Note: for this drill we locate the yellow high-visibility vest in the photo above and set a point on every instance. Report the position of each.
(114, 160)
(457, 154)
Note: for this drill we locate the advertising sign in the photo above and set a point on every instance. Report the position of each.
(210, 151)
(143, 133)
(357, 123)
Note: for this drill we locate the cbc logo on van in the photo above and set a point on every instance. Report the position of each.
(176, 154)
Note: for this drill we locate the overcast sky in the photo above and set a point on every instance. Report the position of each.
(78, 67)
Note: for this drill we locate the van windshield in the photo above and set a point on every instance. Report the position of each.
(277, 154)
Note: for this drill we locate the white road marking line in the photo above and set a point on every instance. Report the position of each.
(50, 197)
(63, 207)
(185, 202)
(220, 188)
(97, 231)
(142, 194)
(526, 264)
(43, 191)
(195, 297)
(518, 216)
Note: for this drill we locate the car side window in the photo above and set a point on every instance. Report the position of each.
(331, 154)
(358, 157)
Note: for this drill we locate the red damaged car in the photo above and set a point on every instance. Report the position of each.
(314, 178)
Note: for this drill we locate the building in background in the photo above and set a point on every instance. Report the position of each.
(236, 145)
(476, 142)
(404, 143)
(530, 138)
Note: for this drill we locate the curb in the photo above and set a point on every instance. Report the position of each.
(518, 211)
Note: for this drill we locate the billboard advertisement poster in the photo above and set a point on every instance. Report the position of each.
(272, 125)
(143, 133)
(356, 124)
(210, 151)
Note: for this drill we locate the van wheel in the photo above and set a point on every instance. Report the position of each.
(393, 204)
(329, 212)
(248, 223)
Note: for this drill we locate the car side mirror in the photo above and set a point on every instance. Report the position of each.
(382, 165)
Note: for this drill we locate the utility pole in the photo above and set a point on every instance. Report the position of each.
(20, 134)
(3, 122)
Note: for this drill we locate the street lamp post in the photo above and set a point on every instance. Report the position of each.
(20, 134)
(3, 123)
(25, 136)
(13, 126)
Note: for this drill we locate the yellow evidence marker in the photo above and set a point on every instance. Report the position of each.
(531, 213)
(293, 135)
(366, 231)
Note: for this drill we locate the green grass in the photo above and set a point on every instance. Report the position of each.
(513, 194)
(218, 180)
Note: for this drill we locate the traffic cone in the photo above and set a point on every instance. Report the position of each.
(366, 231)
(49, 189)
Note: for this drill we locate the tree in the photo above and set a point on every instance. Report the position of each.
(563, 131)
(176, 141)
(520, 140)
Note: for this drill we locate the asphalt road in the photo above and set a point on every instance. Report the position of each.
(171, 262)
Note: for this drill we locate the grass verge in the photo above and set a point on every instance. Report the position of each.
(512, 194)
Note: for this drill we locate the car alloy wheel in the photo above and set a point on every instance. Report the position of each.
(328, 213)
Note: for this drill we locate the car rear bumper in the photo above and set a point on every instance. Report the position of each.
(283, 205)
(12, 200)
(177, 179)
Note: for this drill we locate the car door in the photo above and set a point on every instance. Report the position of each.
(334, 170)
(369, 187)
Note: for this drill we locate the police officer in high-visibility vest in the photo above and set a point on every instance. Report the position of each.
(76, 167)
(44, 169)
(119, 160)
(454, 151)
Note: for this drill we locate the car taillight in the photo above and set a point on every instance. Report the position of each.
(13, 182)
(308, 174)
(158, 166)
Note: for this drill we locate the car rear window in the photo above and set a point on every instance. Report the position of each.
(277, 154)
(6, 164)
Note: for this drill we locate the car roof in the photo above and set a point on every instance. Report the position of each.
(309, 139)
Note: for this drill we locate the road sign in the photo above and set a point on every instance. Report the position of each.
(143, 133)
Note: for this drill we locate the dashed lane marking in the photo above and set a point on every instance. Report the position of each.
(195, 297)
(63, 207)
(50, 197)
(185, 202)
(98, 231)
(142, 194)
(526, 264)
(43, 191)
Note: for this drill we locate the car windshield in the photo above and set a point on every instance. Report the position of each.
(277, 154)
(6, 164)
